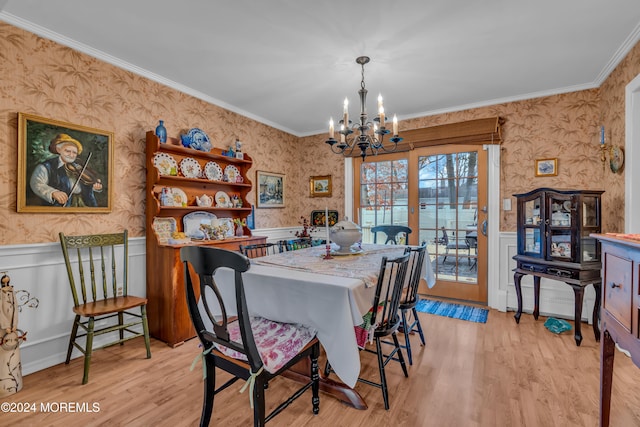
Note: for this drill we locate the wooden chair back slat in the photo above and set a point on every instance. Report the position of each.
(92, 253)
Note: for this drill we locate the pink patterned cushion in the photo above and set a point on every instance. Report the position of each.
(277, 342)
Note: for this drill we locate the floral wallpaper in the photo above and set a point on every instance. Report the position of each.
(44, 78)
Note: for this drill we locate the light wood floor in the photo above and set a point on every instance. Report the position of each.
(469, 374)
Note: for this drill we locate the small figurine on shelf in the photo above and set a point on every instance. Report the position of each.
(230, 153)
(165, 197)
(239, 154)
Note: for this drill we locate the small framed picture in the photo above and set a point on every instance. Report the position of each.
(320, 186)
(547, 167)
(270, 190)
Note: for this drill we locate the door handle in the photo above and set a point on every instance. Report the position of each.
(484, 227)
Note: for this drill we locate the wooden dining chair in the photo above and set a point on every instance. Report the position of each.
(260, 249)
(97, 267)
(385, 320)
(392, 233)
(410, 321)
(250, 348)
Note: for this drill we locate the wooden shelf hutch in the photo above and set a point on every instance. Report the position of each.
(167, 309)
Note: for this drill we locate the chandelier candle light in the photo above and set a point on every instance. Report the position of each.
(368, 142)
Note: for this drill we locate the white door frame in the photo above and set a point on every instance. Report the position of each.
(632, 157)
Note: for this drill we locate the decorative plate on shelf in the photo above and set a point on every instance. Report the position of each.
(199, 140)
(192, 221)
(222, 200)
(165, 164)
(232, 173)
(190, 168)
(163, 228)
(178, 196)
(213, 171)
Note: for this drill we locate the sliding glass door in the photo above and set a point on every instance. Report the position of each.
(440, 192)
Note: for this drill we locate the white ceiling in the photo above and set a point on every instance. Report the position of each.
(290, 63)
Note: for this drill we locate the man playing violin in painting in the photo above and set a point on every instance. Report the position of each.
(60, 181)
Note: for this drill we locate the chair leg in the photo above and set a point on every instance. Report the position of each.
(121, 330)
(258, 402)
(415, 314)
(383, 377)
(209, 390)
(72, 338)
(145, 329)
(400, 356)
(88, 350)
(407, 332)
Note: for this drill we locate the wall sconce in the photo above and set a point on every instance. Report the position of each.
(616, 154)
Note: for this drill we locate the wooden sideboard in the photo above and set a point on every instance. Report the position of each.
(620, 309)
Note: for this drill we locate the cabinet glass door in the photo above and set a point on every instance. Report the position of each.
(590, 248)
(532, 227)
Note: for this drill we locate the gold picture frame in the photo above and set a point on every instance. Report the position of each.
(547, 167)
(270, 191)
(84, 182)
(320, 186)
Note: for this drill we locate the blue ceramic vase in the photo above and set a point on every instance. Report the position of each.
(161, 132)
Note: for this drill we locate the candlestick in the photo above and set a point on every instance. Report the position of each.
(331, 132)
(326, 222)
(326, 226)
(381, 113)
(346, 113)
(395, 125)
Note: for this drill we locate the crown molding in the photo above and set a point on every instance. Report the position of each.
(110, 59)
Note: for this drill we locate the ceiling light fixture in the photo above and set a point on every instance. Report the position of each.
(369, 135)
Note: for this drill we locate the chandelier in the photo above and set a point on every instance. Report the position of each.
(368, 136)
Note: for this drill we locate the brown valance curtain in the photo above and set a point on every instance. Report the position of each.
(478, 131)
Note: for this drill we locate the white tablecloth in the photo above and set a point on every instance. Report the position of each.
(332, 304)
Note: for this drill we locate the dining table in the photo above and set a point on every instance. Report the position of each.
(329, 295)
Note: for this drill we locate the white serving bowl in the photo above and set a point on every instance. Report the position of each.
(344, 234)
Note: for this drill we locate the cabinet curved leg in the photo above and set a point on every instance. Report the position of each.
(596, 311)
(536, 297)
(517, 278)
(579, 294)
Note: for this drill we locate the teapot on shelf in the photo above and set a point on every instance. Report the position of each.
(204, 201)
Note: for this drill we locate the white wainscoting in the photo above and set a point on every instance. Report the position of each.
(38, 271)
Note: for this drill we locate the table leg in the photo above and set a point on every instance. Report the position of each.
(536, 297)
(607, 350)
(579, 294)
(517, 278)
(595, 319)
(339, 390)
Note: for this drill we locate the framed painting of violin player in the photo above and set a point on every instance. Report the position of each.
(63, 167)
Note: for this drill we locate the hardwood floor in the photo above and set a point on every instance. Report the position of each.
(469, 374)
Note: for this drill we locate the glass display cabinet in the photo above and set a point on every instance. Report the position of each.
(554, 241)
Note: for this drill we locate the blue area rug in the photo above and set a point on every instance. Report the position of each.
(455, 311)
